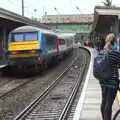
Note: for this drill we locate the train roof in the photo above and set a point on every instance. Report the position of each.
(61, 36)
(31, 29)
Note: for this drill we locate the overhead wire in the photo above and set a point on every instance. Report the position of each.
(37, 8)
(14, 4)
(34, 7)
(21, 7)
(79, 10)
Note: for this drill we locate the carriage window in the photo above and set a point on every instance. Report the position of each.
(61, 41)
(30, 36)
(51, 40)
(17, 37)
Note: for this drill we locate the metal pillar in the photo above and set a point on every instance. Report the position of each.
(22, 7)
(118, 34)
(4, 41)
(0, 43)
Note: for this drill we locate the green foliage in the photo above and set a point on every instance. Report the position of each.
(73, 27)
(92, 35)
(80, 36)
(108, 3)
(77, 37)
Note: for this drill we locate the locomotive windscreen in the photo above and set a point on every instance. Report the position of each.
(21, 37)
(17, 38)
(30, 36)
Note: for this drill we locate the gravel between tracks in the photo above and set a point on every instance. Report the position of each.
(71, 111)
(13, 104)
(52, 105)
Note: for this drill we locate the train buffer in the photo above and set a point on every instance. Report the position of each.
(88, 107)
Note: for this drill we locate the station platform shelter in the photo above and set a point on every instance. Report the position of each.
(106, 20)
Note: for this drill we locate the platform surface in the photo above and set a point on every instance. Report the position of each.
(88, 107)
(3, 63)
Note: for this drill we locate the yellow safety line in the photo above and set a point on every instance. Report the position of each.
(118, 97)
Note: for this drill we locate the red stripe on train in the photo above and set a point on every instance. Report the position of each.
(57, 44)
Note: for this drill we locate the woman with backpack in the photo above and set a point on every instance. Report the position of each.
(110, 86)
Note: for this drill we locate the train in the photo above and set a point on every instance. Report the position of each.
(35, 49)
(65, 45)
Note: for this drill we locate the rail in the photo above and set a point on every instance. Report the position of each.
(28, 109)
(73, 94)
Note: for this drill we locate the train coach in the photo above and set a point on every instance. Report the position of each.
(32, 47)
(62, 46)
(69, 44)
(65, 45)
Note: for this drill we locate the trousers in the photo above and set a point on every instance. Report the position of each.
(108, 97)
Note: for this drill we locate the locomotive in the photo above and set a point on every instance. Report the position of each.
(35, 48)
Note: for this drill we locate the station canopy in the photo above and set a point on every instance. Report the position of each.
(104, 17)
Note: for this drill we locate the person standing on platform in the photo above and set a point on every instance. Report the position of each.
(98, 46)
(87, 44)
(109, 87)
(102, 43)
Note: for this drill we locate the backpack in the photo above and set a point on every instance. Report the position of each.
(101, 70)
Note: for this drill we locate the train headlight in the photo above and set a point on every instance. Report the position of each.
(39, 59)
(14, 52)
(32, 51)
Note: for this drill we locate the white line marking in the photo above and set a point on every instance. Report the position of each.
(82, 97)
(1, 66)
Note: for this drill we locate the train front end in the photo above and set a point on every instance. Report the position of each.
(23, 50)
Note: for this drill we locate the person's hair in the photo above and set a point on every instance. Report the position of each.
(110, 39)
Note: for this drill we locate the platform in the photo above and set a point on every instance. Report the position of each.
(88, 107)
(3, 63)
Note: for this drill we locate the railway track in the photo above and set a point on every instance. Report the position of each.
(13, 85)
(5, 81)
(12, 104)
(58, 96)
(71, 110)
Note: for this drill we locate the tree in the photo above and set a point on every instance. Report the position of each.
(108, 3)
(92, 35)
(77, 37)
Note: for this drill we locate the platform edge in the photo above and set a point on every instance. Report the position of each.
(82, 97)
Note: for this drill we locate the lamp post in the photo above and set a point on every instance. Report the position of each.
(43, 15)
(58, 15)
(56, 10)
(35, 14)
(80, 12)
(35, 11)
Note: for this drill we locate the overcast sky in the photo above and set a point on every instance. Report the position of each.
(63, 6)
